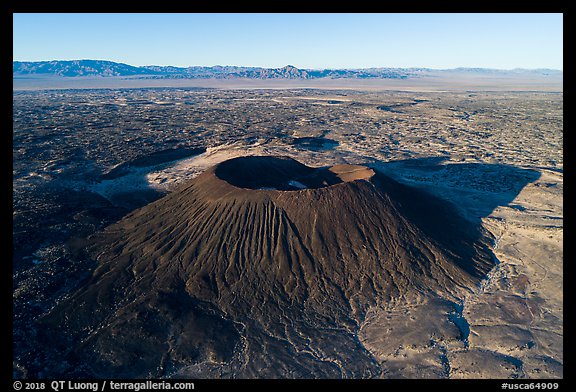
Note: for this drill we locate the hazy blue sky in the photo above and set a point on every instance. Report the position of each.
(304, 40)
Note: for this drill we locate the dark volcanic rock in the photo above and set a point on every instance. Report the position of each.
(222, 278)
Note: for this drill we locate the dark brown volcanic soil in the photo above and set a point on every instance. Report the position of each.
(226, 277)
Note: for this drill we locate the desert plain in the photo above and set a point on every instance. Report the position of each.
(84, 158)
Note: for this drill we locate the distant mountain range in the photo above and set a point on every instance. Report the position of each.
(103, 68)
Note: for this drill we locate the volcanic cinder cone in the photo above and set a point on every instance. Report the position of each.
(263, 267)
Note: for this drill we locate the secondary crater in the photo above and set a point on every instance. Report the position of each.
(319, 143)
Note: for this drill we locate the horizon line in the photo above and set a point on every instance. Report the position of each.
(290, 65)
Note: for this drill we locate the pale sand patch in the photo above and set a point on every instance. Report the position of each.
(515, 316)
(186, 169)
